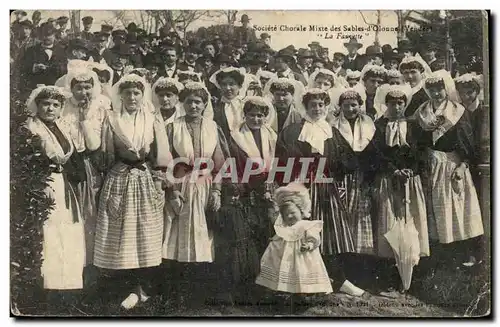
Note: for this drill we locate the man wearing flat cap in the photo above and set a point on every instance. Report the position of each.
(245, 33)
(353, 61)
(62, 33)
(119, 61)
(304, 64)
(86, 34)
(337, 63)
(45, 62)
(99, 51)
(284, 60)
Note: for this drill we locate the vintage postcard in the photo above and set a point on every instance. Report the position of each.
(250, 163)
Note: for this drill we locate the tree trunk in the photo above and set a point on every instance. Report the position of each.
(377, 41)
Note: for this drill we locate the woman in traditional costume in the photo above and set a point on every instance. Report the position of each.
(286, 95)
(414, 70)
(84, 114)
(352, 77)
(327, 80)
(447, 134)
(314, 138)
(105, 75)
(247, 208)
(192, 202)
(130, 216)
(166, 99)
(358, 130)
(372, 76)
(63, 232)
(228, 112)
(400, 163)
(253, 145)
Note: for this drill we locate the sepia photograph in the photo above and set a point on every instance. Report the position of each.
(250, 163)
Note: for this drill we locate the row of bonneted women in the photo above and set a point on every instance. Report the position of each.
(115, 208)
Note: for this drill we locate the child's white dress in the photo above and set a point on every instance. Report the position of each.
(284, 267)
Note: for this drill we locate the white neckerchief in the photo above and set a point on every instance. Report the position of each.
(94, 114)
(135, 131)
(315, 133)
(245, 140)
(183, 143)
(233, 109)
(364, 129)
(170, 71)
(474, 105)
(48, 52)
(337, 70)
(450, 110)
(352, 58)
(298, 230)
(395, 133)
(49, 142)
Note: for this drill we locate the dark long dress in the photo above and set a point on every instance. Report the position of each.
(257, 209)
(327, 205)
(390, 192)
(416, 101)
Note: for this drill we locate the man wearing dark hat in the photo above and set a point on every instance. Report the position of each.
(87, 26)
(392, 60)
(245, 33)
(265, 38)
(325, 54)
(208, 48)
(15, 27)
(169, 57)
(119, 60)
(100, 51)
(337, 63)
(315, 46)
(284, 61)
(152, 63)
(429, 50)
(77, 49)
(62, 33)
(304, 64)
(374, 55)
(107, 29)
(405, 48)
(119, 38)
(45, 62)
(191, 56)
(36, 18)
(18, 44)
(353, 60)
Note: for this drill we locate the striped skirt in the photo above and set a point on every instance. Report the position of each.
(359, 210)
(329, 208)
(129, 226)
(454, 207)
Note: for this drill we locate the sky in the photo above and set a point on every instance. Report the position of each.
(338, 20)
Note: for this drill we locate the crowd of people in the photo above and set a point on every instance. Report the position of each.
(114, 109)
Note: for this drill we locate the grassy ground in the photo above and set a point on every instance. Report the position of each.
(451, 291)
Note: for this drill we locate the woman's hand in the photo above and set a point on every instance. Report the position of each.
(215, 201)
(459, 172)
(50, 193)
(176, 199)
(159, 186)
(407, 172)
(267, 196)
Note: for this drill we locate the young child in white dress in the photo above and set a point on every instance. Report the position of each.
(292, 262)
